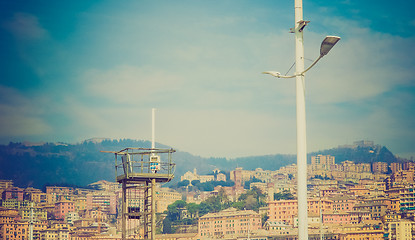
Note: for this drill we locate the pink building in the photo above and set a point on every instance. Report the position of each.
(229, 222)
(60, 193)
(285, 210)
(336, 218)
(13, 193)
(62, 208)
(106, 201)
(343, 203)
(357, 217)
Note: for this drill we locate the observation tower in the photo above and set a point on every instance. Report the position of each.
(139, 170)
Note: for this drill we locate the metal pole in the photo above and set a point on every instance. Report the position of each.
(301, 125)
(124, 211)
(153, 128)
(153, 209)
(31, 222)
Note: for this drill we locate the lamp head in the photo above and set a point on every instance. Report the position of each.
(327, 44)
(272, 73)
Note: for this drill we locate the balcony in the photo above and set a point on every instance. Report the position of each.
(141, 164)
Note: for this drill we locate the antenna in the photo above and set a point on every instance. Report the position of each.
(154, 159)
(153, 128)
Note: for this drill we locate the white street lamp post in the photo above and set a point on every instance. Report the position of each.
(301, 125)
(326, 46)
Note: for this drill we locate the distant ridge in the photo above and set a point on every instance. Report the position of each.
(37, 165)
(361, 152)
(98, 140)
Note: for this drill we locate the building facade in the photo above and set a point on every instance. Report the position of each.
(229, 222)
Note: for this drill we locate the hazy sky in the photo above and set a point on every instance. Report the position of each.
(74, 70)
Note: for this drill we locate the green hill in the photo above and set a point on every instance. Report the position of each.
(83, 163)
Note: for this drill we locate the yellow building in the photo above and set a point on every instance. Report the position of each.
(361, 232)
(53, 234)
(4, 184)
(41, 197)
(401, 229)
(39, 214)
(190, 176)
(229, 222)
(322, 162)
(14, 230)
(165, 197)
(80, 203)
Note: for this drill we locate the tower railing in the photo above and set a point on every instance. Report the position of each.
(141, 167)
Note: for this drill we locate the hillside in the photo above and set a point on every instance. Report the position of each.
(58, 163)
(361, 153)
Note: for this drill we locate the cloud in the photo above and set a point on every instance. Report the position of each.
(21, 116)
(364, 64)
(130, 84)
(222, 133)
(26, 27)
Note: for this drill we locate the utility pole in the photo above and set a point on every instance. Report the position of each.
(301, 123)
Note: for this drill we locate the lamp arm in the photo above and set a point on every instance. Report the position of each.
(299, 74)
(312, 65)
(283, 76)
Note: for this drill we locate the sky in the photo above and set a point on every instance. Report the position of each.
(75, 70)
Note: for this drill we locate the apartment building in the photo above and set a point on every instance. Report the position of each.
(13, 193)
(229, 222)
(379, 167)
(343, 203)
(15, 204)
(358, 190)
(408, 165)
(322, 162)
(285, 210)
(4, 184)
(165, 197)
(358, 217)
(80, 203)
(53, 234)
(337, 217)
(361, 231)
(376, 209)
(396, 167)
(407, 199)
(106, 201)
(60, 193)
(402, 229)
(14, 231)
(402, 198)
(289, 169)
(62, 208)
(38, 213)
(403, 177)
(41, 197)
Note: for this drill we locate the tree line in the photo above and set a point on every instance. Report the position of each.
(183, 213)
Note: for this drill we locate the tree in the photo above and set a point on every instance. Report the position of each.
(250, 202)
(167, 226)
(264, 219)
(223, 198)
(247, 184)
(183, 183)
(193, 209)
(204, 208)
(285, 195)
(238, 205)
(195, 182)
(174, 211)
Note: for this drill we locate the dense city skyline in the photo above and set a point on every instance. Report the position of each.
(78, 70)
